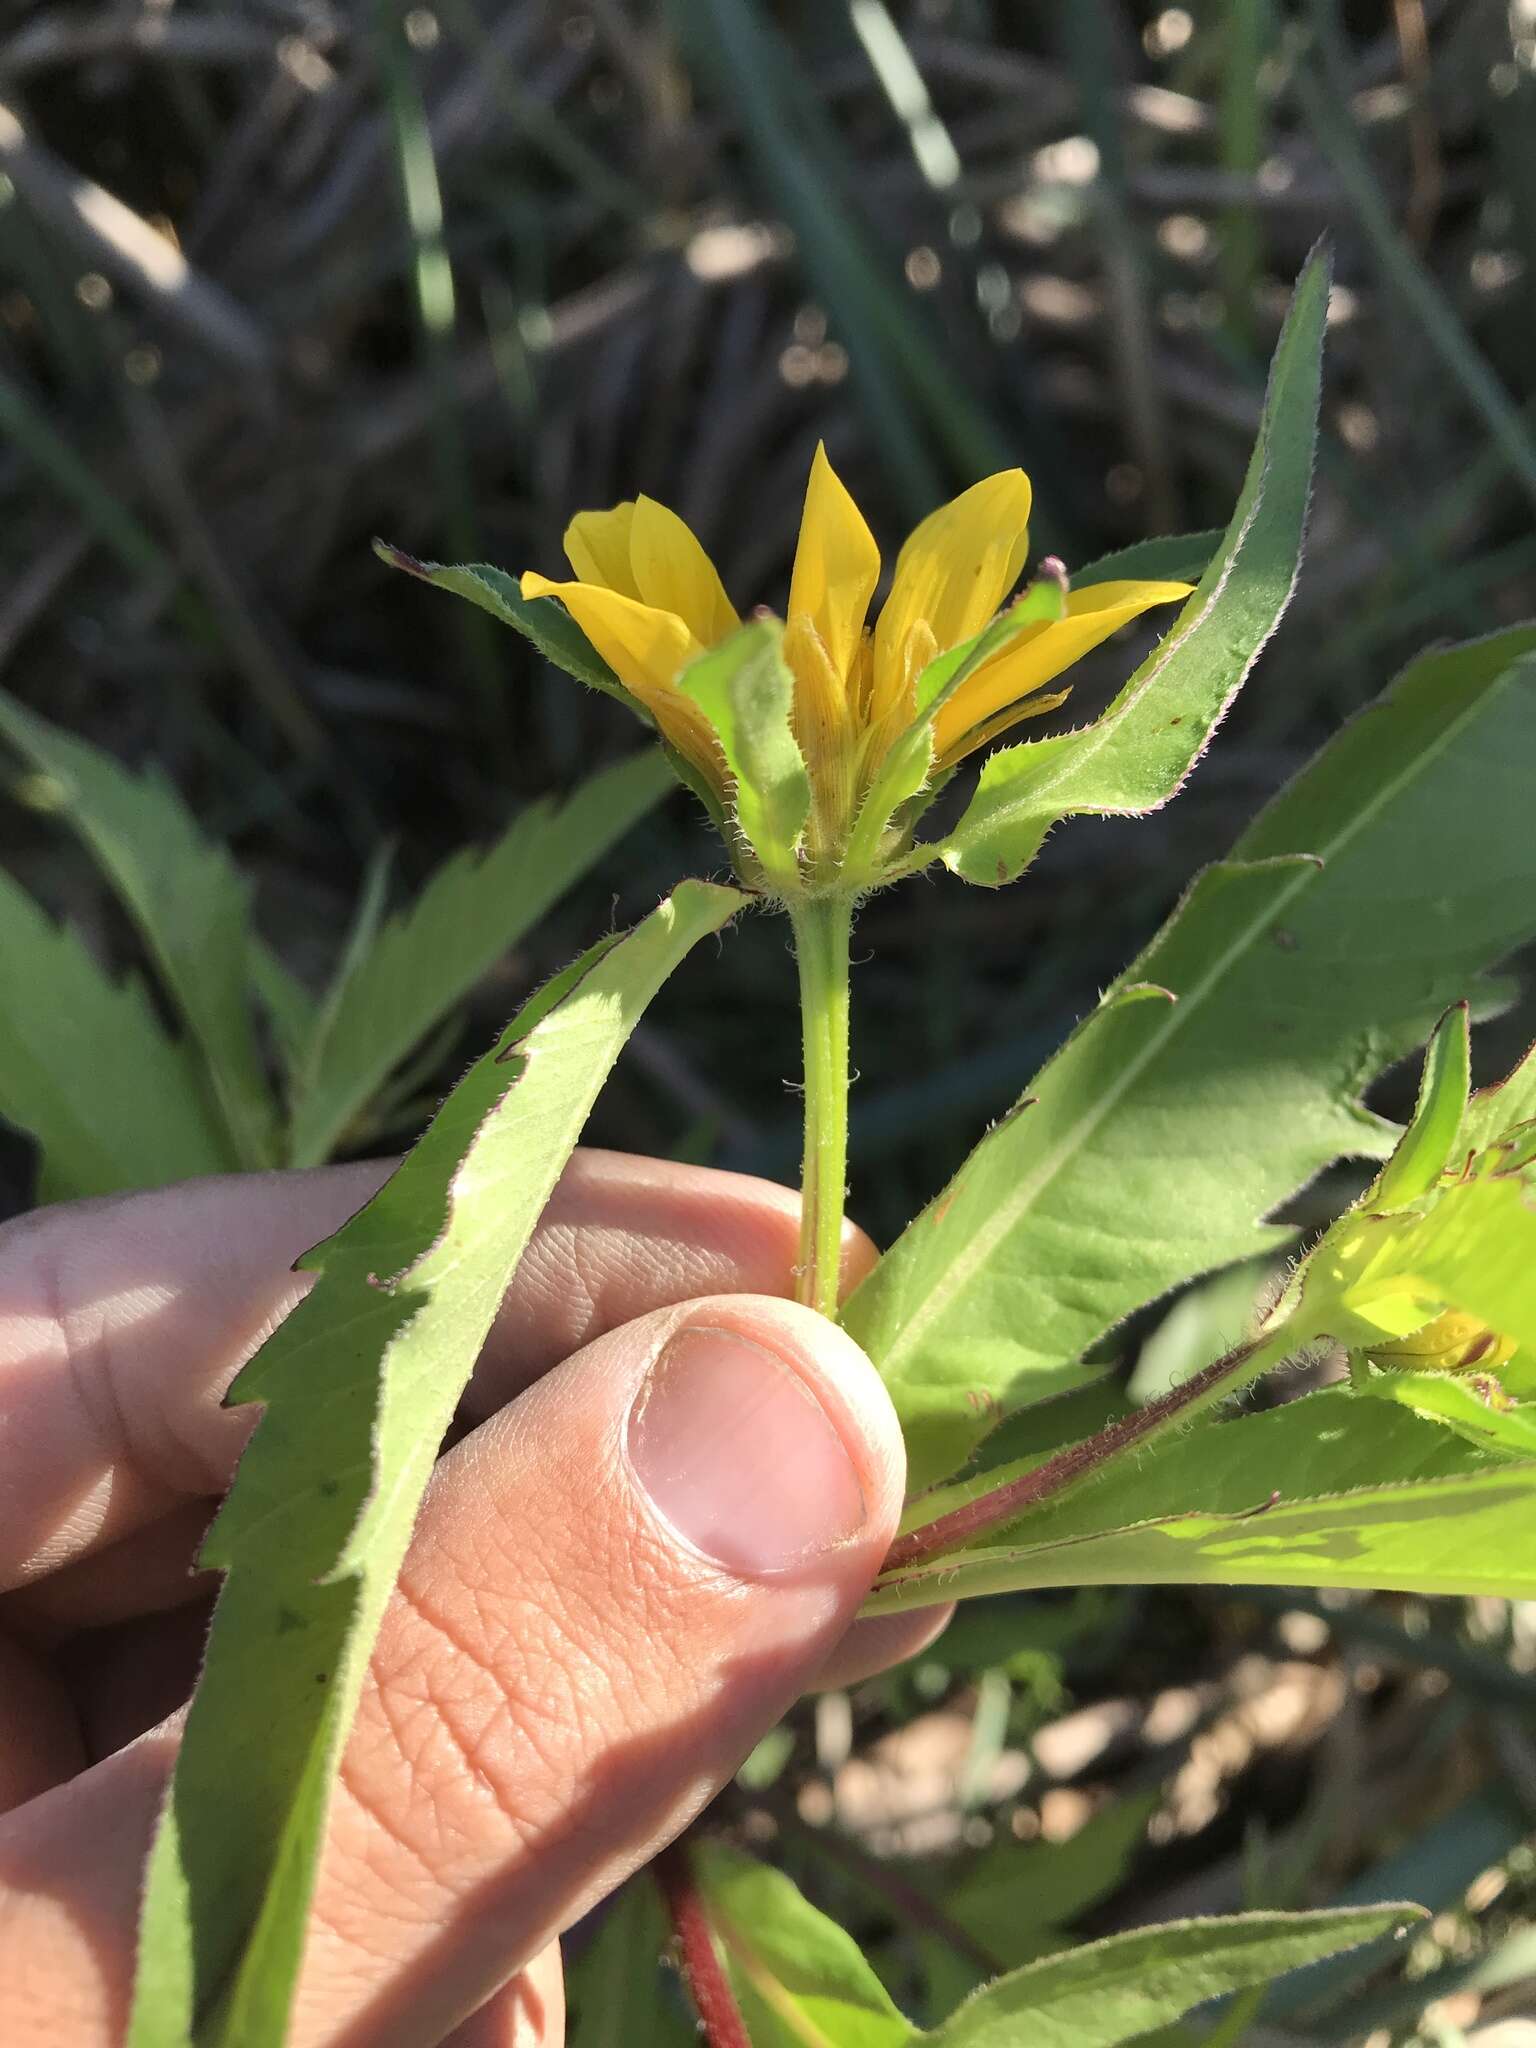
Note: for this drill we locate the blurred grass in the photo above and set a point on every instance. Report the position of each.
(452, 274)
(277, 277)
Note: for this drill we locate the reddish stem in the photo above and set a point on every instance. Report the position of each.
(963, 1524)
(708, 1986)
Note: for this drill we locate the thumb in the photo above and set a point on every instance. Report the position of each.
(617, 1585)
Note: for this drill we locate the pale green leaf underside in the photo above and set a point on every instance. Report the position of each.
(1111, 1991)
(1372, 893)
(87, 1069)
(745, 690)
(1139, 753)
(187, 899)
(359, 1385)
(421, 963)
(1326, 1491)
(802, 1982)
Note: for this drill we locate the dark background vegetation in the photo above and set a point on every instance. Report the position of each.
(279, 275)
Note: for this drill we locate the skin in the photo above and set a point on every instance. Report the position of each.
(567, 1672)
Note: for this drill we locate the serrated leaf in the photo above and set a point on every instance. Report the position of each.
(87, 1069)
(190, 904)
(399, 985)
(290, 1008)
(1371, 894)
(800, 1981)
(747, 693)
(1317, 1493)
(1137, 756)
(314, 1528)
(1111, 1991)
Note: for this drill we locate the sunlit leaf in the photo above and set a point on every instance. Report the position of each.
(1138, 754)
(314, 1529)
(1111, 1991)
(1371, 894)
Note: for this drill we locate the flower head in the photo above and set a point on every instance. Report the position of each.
(651, 602)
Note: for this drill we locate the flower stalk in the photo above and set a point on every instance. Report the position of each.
(822, 928)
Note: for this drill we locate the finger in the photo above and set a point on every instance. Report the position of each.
(527, 2013)
(40, 1740)
(148, 1571)
(616, 1586)
(878, 1642)
(123, 1321)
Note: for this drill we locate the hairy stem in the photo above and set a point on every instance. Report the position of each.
(1005, 1503)
(822, 926)
(720, 2019)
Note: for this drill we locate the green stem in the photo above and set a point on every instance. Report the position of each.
(822, 925)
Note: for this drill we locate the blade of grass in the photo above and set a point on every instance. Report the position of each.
(1246, 31)
(1088, 42)
(435, 299)
(1319, 89)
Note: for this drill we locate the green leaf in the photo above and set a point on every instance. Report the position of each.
(1173, 558)
(800, 1981)
(1317, 1493)
(401, 981)
(556, 635)
(1137, 756)
(1510, 1431)
(908, 767)
(313, 1531)
(1042, 604)
(1364, 900)
(1425, 1146)
(543, 620)
(86, 1068)
(747, 693)
(613, 1987)
(1444, 1277)
(190, 904)
(1111, 1991)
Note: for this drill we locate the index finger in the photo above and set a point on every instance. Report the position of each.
(123, 1321)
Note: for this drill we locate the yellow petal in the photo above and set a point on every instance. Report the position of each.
(673, 573)
(597, 548)
(822, 728)
(643, 645)
(954, 572)
(837, 565)
(1040, 654)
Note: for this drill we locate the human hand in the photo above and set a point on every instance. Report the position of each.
(674, 1490)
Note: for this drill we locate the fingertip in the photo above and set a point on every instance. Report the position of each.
(846, 1389)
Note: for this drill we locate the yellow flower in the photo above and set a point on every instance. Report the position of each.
(649, 599)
